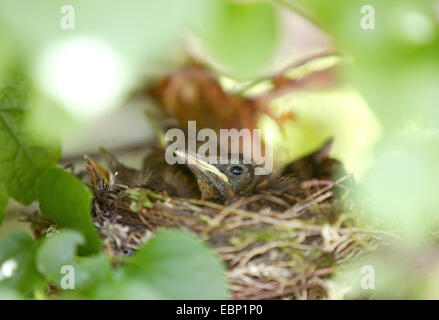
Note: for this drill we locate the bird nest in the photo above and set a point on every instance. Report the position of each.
(287, 253)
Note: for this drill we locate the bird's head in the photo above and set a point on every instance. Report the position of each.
(220, 180)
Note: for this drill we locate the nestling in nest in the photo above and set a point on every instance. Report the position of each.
(280, 237)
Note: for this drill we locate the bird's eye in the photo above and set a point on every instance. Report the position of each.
(236, 170)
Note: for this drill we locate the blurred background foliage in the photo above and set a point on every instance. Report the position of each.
(67, 89)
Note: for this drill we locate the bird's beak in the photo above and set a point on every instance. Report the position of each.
(201, 165)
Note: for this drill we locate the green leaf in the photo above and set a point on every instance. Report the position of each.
(126, 289)
(10, 294)
(91, 271)
(23, 159)
(17, 263)
(3, 202)
(178, 265)
(14, 87)
(65, 200)
(156, 24)
(57, 251)
(60, 250)
(243, 35)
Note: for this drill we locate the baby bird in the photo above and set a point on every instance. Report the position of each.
(218, 181)
(222, 182)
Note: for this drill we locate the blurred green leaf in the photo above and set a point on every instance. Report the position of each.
(91, 271)
(10, 294)
(17, 263)
(139, 31)
(138, 34)
(22, 159)
(177, 265)
(242, 35)
(57, 251)
(395, 64)
(127, 289)
(402, 186)
(3, 202)
(396, 272)
(14, 87)
(60, 250)
(48, 120)
(340, 113)
(65, 200)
